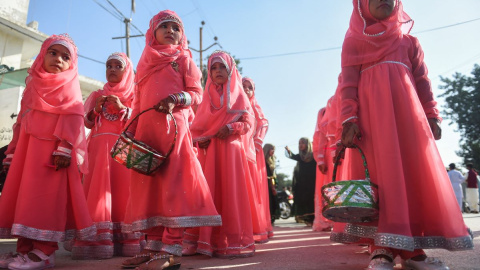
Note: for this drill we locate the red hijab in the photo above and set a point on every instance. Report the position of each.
(155, 56)
(368, 39)
(224, 104)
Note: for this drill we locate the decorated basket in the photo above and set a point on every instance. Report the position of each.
(137, 155)
(350, 201)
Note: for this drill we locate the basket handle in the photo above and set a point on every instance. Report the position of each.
(337, 161)
(174, 123)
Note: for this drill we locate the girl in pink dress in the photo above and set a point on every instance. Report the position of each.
(107, 183)
(222, 129)
(43, 201)
(259, 172)
(387, 101)
(177, 195)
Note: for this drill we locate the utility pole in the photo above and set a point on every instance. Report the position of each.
(201, 50)
(127, 35)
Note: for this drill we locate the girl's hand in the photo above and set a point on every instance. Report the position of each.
(99, 103)
(322, 168)
(61, 162)
(435, 127)
(204, 144)
(288, 149)
(165, 105)
(223, 132)
(349, 133)
(115, 101)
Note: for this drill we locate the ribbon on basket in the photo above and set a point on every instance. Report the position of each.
(350, 201)
(137, 155)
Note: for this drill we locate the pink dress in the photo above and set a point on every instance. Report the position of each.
(39, 202)
(259, 201)
(107, 183)
(387, 92)
(176, 195)
(225, 165)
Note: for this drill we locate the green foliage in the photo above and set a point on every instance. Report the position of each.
(462, 97)
(282, 180)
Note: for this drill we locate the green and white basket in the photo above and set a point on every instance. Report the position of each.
(350, 201)
(137, 155)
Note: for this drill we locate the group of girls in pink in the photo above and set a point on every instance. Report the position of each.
(216, 185)
(385, 105)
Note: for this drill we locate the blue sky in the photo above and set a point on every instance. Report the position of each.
(291, 88)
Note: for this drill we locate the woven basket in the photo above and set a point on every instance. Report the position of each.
(350, 201)
(137, 155)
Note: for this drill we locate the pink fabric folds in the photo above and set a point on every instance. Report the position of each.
(225, 106)
(368, 39)
(58, 94)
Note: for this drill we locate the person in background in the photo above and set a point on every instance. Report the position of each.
(472, 189)
(270, 164)
(304, 185)
(456, 178)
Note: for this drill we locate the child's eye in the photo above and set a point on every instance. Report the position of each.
(66, 58)
(109, 66)
(176, 28)
(119, 67)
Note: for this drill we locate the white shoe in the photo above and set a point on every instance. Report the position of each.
(429, 263)
(189, 250)
(7, 258)
(380, 264)
(26, 264)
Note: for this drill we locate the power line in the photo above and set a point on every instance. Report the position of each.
(113, 14)
(337, 48)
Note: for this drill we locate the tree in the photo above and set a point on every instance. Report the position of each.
(282, 180)
(205, 71)
(462, 97)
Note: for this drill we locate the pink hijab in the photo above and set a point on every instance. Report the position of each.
(256, 108)
(368, 39)
(58, 94)
(123, 89)
(224, 104)
(155, 56)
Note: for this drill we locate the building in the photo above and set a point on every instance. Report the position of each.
(19, 44)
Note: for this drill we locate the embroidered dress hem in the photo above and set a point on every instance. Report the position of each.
(159, 246)
(230, 252)
(47, 235)
(357, 233)
(172, 222)
(92, 252)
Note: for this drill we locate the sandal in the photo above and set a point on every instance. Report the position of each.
(145, 257)
(169, 264)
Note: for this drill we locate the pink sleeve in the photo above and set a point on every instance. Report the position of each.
(240, 127)
(422, 83)
(261, 132)
(348, 91)
(88, 106)
(135, 110)
(193, 85)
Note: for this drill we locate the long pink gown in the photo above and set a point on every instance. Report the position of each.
(225, 165)
(177, 195)
(39, 202)
(260, 205)
(107, 183)
(385, 89)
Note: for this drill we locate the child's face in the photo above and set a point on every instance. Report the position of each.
(57, 59)
(248, 88)
(219, 73)
(271, 152)
(115, 71)
(302, 146)
(381, 9)
(168, 33)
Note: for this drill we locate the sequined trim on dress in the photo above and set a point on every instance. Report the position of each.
(159, 246)
(172, 222)
(52, 236)
(235, 252)
(92, 252)
(353, 233)
(386, 62)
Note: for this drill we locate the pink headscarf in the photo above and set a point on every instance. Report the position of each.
(368, 39)
(223, 104)
(256, 108)
(155, 56)
(123, 89)
(58, 94)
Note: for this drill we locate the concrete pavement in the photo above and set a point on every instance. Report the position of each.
(294, 246)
